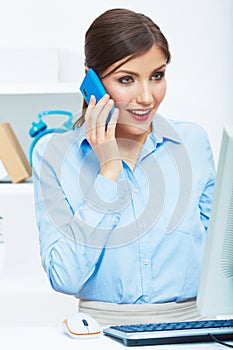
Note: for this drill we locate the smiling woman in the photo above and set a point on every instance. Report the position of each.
(123, 210)
(137, 87)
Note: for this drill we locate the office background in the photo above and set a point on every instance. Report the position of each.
(200, 85)
(200, 34)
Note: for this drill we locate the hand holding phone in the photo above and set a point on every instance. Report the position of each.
(107, 151)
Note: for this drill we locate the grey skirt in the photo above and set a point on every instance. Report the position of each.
(116, 314)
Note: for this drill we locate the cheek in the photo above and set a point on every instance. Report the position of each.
(127, 95)
(160, 92)
(119, 96)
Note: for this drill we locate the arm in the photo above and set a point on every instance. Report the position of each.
(72, 242)
(205, 202)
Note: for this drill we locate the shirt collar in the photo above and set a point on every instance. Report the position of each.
(163, 129)
(80, 134)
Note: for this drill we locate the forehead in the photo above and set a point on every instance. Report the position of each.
(152, 58)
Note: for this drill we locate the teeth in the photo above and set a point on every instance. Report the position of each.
(140, 113)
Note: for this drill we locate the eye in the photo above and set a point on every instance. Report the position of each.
(126, 80)
(157, 76)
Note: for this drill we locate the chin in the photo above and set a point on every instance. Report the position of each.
(135, 130)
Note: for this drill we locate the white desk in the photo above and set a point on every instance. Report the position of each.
(39, 338)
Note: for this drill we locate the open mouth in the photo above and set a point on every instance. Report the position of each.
(139, 114)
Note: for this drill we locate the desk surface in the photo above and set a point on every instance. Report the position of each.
(38, 338)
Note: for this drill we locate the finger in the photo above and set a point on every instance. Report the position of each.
(101, 105)
(104, 100)
(93, 112)
(88, 115)
(94, 109)
(101, 121)
(112, 124)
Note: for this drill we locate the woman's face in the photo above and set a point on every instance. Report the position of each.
(137, 88)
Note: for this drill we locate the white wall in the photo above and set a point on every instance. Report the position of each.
(200, 33)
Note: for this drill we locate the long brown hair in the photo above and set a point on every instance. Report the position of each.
(120, 33)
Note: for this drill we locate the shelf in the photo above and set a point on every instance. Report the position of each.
(18, 188)
(20, 89)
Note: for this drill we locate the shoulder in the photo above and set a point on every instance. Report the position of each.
(192, 135)
(54, 144)
(181, 131)
(196, 141)
(54, 150)
(194, 138)
(187, 130)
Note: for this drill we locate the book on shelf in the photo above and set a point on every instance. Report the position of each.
(12, 155)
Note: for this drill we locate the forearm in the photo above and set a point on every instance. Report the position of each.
(71, 253)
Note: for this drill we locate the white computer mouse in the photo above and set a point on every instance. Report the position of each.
(81, 326)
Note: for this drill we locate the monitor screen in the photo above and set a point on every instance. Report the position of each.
(215, 295)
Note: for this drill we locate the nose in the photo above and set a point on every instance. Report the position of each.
(144, 96)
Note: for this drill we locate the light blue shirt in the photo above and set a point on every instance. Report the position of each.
(139, 240)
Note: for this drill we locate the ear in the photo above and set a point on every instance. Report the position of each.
(86, 69)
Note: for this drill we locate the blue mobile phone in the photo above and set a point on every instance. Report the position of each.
(92, 85)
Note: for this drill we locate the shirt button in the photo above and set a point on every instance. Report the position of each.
(116, 218)
(136, 190)
(146, 299)
(146, 261)
(143, 225)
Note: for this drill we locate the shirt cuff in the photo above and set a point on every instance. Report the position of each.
(108, 196)
(106, 189)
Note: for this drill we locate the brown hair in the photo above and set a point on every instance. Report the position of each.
(119, 33)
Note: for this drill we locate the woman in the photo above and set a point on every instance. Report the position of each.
(123, 208)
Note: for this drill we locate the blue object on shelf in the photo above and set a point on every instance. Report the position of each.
(40, 128)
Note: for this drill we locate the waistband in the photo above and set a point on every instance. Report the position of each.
(114, 314)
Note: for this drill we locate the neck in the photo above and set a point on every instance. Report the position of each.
(130, 145)
(139, 139)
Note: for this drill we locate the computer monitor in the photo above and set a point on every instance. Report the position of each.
(215, 295)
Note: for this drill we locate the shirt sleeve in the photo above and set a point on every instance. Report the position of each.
(72, 243)
(206, 199)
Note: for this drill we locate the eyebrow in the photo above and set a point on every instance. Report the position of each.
(136, 74)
